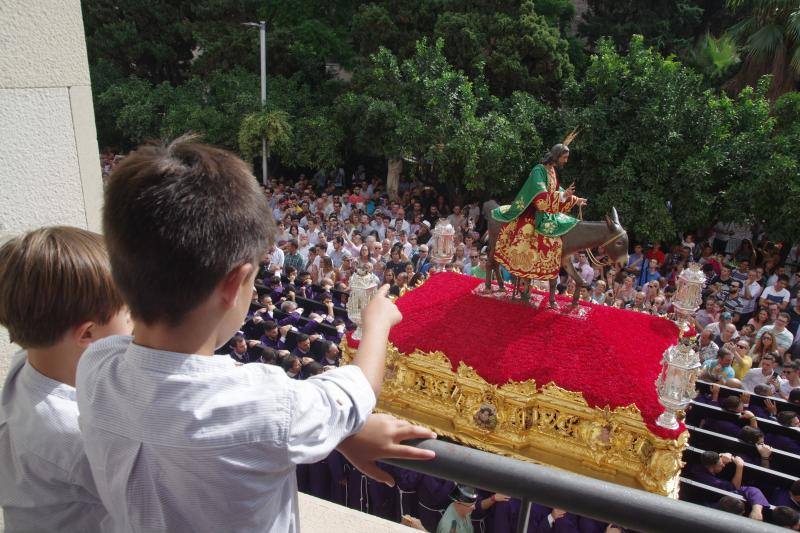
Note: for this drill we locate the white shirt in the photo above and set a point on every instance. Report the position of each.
(755, 292)
(586, 272)
(182, 442)
(276, 257)
(45, 480)
(755, 377)
(771, 295)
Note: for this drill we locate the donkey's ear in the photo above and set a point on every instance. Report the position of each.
(615, 216)
(609, 222)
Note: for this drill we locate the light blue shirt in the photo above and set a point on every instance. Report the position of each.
(45, 480)
(181, 442)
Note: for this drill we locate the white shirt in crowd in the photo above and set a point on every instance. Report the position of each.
(193, 443)
(770, 294)
(45, 480)
(276, 257)
(405, 226)
(586, 272)
(750, 303)
(755, 377)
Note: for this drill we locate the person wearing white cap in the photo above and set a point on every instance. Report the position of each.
(424, 234)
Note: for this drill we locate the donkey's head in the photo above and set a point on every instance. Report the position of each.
(617, 244)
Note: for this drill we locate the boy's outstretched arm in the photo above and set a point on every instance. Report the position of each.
(381, 438)
(378, 318)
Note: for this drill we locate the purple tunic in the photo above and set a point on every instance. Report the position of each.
(337, 465)
(783, 442)
(782, 497)
(724, 427)
(753, 495)
(566, 524)
(270, 343)
(406, 482)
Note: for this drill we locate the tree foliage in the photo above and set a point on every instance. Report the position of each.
(471, 93)
(668, 25)
(672, 157)
(770, 37)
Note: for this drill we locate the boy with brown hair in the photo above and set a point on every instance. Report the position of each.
(179, 440)
(56, 298)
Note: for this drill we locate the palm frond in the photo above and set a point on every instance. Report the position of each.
(742, 29)
(765, 42)
(795, 61)
(793, 26)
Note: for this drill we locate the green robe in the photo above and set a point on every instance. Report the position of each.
(551, 217)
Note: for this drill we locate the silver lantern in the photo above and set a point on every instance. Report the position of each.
(681, 364)
(363, 286)
(675, 384)
(443, 245)
(689, 294)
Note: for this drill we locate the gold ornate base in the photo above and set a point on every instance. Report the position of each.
(550, 426)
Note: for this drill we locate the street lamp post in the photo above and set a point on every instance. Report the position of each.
(262, 30)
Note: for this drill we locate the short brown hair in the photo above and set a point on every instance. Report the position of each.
(178, 217)
(52, 279)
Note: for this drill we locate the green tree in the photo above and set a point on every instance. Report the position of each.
(668, 25)
(424, 111)
(273, 126)
(672, 156)
(769, 35)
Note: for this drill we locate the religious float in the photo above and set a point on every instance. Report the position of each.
(587, 388)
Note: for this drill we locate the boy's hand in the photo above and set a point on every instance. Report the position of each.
(380, 438)
(381, 310)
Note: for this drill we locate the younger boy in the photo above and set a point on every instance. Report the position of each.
(56, 297)
(179, 440)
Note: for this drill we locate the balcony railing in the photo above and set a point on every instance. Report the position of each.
(581, 495)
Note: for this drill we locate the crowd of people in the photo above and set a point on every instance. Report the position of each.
(747, 324)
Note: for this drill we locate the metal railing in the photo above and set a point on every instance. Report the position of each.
(578, 494)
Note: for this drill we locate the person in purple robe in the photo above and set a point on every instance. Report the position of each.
(330, 354)
(239, 349)
(759, 453)
(319, 479)
(783, 442)
(357, 490)
(338, 465)
(558, 521)
(787, 497)
(273, 337)
(382, 498)
(303, 347)
(275, 288)
(731, 404)
(505, 515)
(712, 464)
(406, 482)
(340, 327)
(303, 287)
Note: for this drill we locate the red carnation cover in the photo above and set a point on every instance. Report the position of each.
(612, 356)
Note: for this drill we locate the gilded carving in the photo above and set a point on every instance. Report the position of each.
(551, 425)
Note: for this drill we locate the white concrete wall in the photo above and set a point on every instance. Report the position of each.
(318, 515)
(49, 162)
